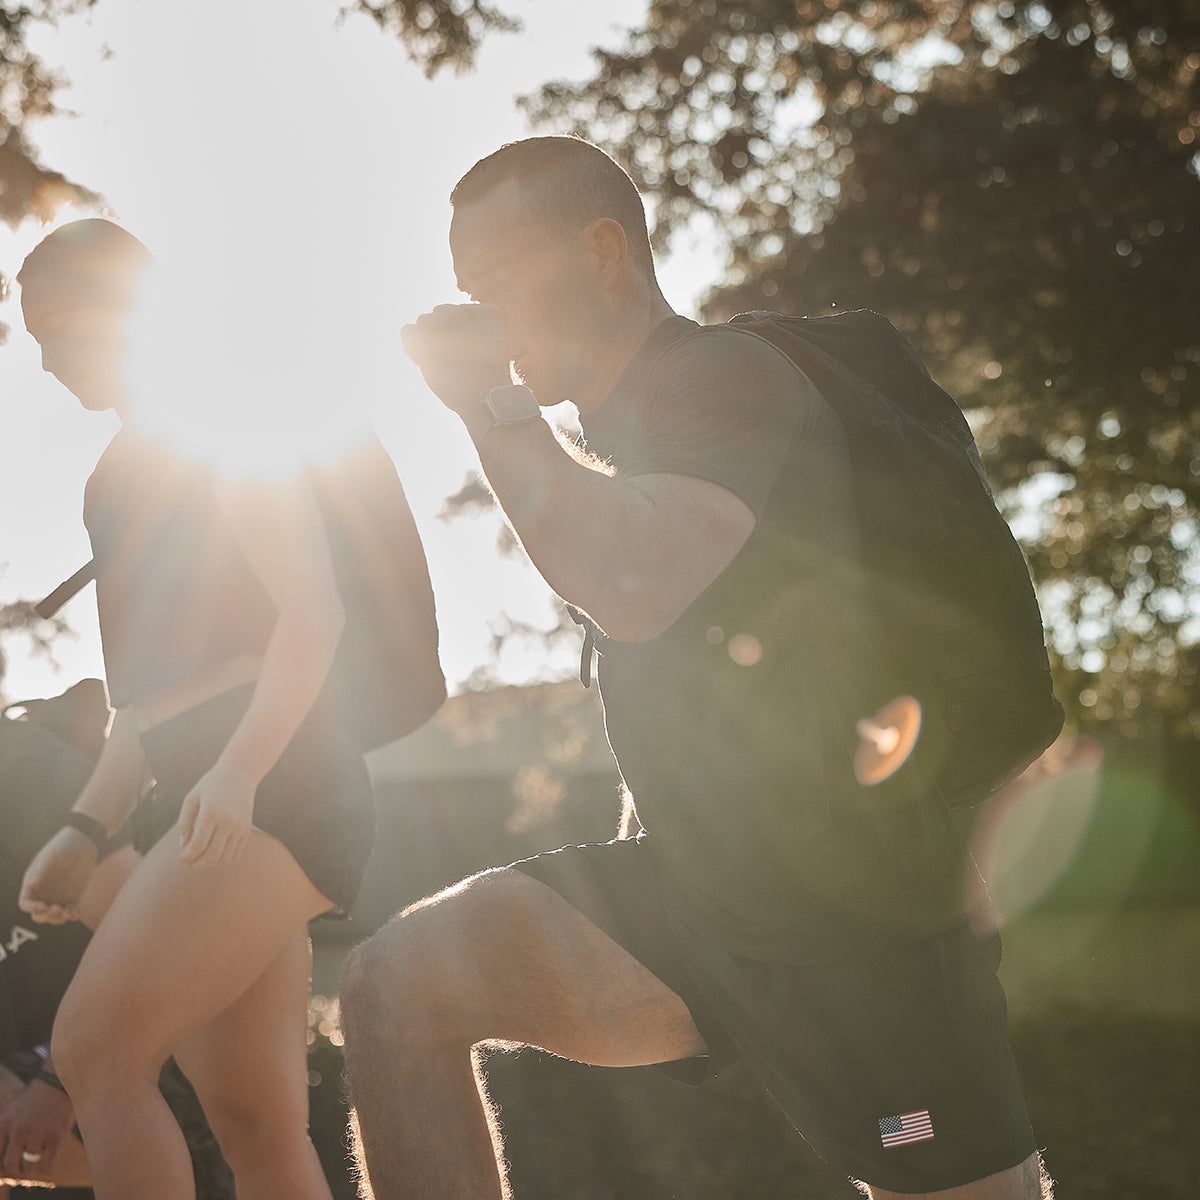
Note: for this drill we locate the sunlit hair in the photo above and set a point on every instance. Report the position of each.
(566, 184)
(92, 261)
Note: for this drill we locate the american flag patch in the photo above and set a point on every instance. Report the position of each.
(907, 1127)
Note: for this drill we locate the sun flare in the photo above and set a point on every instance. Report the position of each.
(236, 377)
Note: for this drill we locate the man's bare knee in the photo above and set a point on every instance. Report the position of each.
(502, 957)
(408, 974)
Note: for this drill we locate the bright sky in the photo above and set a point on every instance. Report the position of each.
(295, 170)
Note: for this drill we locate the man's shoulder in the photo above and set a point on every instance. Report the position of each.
(720, 351)
(721, 337)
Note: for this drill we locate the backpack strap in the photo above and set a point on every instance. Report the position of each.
(593, 642)
(66, 590)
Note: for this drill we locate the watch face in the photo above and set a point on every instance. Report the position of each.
(513, 403)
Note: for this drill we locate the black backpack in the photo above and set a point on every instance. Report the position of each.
(954, 619)
(47, 750)
(386, 679)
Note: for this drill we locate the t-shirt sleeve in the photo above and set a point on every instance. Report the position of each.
(722, 406)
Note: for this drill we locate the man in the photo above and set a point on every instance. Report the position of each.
(767, 910)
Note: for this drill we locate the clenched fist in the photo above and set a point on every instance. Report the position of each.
(462, 352)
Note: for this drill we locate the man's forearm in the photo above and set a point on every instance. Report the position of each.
(632, 553)
(583, 530)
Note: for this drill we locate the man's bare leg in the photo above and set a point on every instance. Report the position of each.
(500, 957)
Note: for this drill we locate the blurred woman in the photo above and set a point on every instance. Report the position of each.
(219, 617)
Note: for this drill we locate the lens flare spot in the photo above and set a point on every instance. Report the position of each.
(1030, 832)
(745, 649)
(886, 740)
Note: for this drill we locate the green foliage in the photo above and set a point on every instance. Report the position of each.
(1110, 1100)
(1015, 185)
(438, 33)
(27, 93)
(18, 618)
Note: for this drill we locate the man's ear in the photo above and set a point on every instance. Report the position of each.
(606, 244)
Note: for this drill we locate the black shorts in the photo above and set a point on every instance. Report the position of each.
(895, 1067)
(317, 799)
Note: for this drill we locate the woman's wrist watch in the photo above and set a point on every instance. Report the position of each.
(91, 828)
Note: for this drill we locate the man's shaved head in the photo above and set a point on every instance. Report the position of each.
(566, 184)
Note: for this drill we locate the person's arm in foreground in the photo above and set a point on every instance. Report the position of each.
(281, 533)
(58, 877)
(632, 553)
(36, 1119)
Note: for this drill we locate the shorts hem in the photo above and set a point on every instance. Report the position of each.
(949, 1179)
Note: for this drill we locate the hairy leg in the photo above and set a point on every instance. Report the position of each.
(249, 1068)
(178, 947)
(498, 958)
(1026, 1181)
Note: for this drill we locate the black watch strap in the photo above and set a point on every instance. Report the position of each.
(88, 826)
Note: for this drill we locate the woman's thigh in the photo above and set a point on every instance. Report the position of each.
(256, 1048)
(178, 946)
(109, 877)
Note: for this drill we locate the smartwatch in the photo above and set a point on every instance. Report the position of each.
(510, 404)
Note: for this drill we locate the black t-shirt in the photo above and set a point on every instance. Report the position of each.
(735, 729)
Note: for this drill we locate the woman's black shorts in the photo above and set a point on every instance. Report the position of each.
(317, 799)
(895, 1067)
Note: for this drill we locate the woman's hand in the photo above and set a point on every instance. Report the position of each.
(57, 877)
(33, 1126)
(216, 818)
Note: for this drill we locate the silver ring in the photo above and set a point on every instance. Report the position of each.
(30, 1156)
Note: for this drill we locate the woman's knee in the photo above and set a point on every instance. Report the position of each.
(93, 1047)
